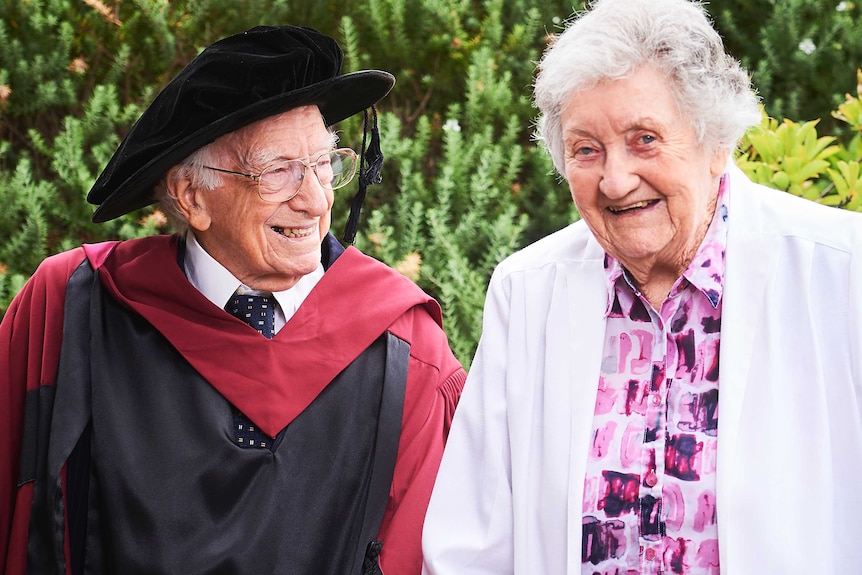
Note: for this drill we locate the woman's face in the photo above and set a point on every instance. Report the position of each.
(638, 177)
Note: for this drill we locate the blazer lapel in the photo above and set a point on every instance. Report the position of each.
(750, 262)
(587, 302)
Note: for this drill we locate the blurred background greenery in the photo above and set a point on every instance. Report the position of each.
(464, 184)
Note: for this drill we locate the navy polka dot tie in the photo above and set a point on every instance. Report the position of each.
(258, 311)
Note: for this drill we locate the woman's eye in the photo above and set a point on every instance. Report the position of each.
(647, 139)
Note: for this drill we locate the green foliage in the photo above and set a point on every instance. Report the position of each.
(464, 184)
(447, 230)
(24, 202)
(801, 53)
(453, 203)
(791, 156)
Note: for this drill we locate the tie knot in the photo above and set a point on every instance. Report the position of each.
(257, 310)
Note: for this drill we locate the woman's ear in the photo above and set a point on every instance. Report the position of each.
(191, 204)
(720, 159)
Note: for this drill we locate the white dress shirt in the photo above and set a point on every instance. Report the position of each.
(217, 284)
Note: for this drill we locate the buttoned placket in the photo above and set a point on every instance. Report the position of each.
(665, 358)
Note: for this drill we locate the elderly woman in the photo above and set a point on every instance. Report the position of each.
(672, 384)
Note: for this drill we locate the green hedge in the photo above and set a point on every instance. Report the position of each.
(464, 185)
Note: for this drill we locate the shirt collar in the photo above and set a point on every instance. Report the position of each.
(706, 270)
(217, 284)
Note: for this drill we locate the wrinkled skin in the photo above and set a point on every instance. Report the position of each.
(266, 246)
(639, 178)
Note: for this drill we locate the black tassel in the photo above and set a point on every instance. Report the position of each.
(371, 563)
(370, 166)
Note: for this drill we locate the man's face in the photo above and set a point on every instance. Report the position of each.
(638, 176)
(267, 246)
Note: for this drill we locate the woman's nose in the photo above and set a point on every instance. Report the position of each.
(619, 176)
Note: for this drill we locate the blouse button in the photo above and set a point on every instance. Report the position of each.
(650, 554)
(651, 479)
(656, 399)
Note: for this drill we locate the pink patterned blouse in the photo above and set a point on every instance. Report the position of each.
(649, 497)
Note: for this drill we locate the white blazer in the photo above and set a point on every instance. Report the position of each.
(509, 493)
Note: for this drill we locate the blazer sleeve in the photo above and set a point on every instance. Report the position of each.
(469, 524)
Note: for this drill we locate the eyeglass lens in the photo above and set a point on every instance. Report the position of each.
(281, 181)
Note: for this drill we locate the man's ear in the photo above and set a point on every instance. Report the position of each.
(191, 204)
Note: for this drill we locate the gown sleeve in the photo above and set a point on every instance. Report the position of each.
(434, 382)
(30, 338)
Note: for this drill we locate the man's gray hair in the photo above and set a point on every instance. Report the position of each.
(191, 169)
(614, 37)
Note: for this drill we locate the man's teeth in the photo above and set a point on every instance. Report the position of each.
(618, 209)
(293, 232)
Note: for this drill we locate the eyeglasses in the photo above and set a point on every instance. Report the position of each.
(280, 181)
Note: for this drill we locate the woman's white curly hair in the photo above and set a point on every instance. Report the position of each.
(614, 37)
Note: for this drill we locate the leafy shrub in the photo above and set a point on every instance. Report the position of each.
(801, 53)
(792, 157)
(464, 185)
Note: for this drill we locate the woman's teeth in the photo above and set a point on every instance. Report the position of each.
(618, 209)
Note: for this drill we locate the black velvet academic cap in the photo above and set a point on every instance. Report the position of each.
(239, 80)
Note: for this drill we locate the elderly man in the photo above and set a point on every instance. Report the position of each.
(243, 397)
(673, 384)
